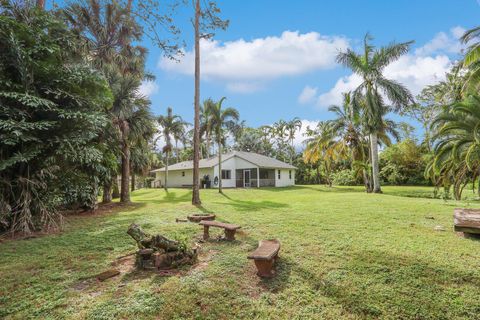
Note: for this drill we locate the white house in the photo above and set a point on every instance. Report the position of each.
(239, 170)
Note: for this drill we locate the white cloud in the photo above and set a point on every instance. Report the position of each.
(300, 135)
(443, 42)
(334, 96)
(307, 95)
(148, 88)
(247, 65)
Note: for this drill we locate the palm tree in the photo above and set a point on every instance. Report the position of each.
(369, 65)
(205, 124)
(291, 127)
(457, 147)
(322, 147)
(169, 124)
(220, 120)
(109, 34)
(348, 126)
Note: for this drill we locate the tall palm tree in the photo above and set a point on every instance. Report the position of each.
(109, 33)
(205, 124)
(292, 127)
(220, 120)
(348, 126)
(369, 65)
(169, 123)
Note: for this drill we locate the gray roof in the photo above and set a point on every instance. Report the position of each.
(259, 160)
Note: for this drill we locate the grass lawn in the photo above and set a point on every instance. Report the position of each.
(344, 255)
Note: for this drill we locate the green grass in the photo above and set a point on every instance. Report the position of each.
(344, 255)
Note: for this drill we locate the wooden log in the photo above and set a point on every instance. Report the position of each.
(107, 274)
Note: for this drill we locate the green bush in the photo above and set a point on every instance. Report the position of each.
(345, 177)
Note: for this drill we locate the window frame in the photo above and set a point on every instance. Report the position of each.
(183, 173)
(279, 175)
(290, 174)
(227, 176)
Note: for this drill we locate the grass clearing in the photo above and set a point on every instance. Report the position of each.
(344, 255)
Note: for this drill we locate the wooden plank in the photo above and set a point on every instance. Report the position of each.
(466, 218)
(107, 274)
(218, 224)
(267, 250)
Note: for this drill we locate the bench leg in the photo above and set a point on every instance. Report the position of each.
(230, 235)
(265, 268)
(205, 233)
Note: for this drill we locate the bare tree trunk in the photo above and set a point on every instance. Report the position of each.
(176, 151)
(124, 185)
(207, 143)
(115, 189)
(133, 181)
(196, 133)
(107, 192)
(166, 172)
(220, 167)
(375, 169)
(41, 4)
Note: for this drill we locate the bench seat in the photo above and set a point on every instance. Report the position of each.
(265, 256)
(467, 220)
(229, 228)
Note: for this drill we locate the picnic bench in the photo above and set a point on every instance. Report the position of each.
(230, 229)
(265, 257)
(467, 220)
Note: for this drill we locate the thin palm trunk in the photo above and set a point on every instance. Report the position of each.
(166, 171)
(207, 143)
(124, 184)
(176, 151)
(41, 4)
(115, 189)
(220, 167)
(133, 182)
(196, 134)
(375, 169)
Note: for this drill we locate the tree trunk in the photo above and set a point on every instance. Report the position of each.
(375, 169)
(166, 172)
(41, 4)
(366, 181)
(115, 189)
(207, 143)
(196, 132)
(107, 192)
(124, 185)
(133, 181)
(176, 151)
(220, 167)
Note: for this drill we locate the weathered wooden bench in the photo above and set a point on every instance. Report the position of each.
(467, 220)
(230, 229)
(265, 257)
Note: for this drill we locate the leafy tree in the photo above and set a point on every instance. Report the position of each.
(369, 65)
(220, 120)
(51, 115)
(109, 33)
(291, 128)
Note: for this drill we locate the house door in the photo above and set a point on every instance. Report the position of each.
(246, 178)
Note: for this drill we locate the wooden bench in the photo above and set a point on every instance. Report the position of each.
(265, 257)
(230, 229)
(467, 220)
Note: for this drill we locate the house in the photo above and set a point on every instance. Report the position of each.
(239, 170)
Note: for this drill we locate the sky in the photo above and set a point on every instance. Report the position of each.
(277, 58)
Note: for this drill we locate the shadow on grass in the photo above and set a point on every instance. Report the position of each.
(170, 197)
(245, 205)
(416, 288)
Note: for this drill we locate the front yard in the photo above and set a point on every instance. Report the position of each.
(344, 255)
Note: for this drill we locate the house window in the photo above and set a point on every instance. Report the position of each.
(226, 174)
(279, 174)
(183, 173)
(290, 174)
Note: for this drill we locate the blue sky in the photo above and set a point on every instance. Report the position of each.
(276, 60)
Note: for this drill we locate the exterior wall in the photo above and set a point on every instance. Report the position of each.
(176, 180)
(232, 164)
(284, 180)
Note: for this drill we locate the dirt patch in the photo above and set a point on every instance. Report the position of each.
(125, 264)
(203, 261)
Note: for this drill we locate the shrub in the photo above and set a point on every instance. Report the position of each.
(345, 177)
